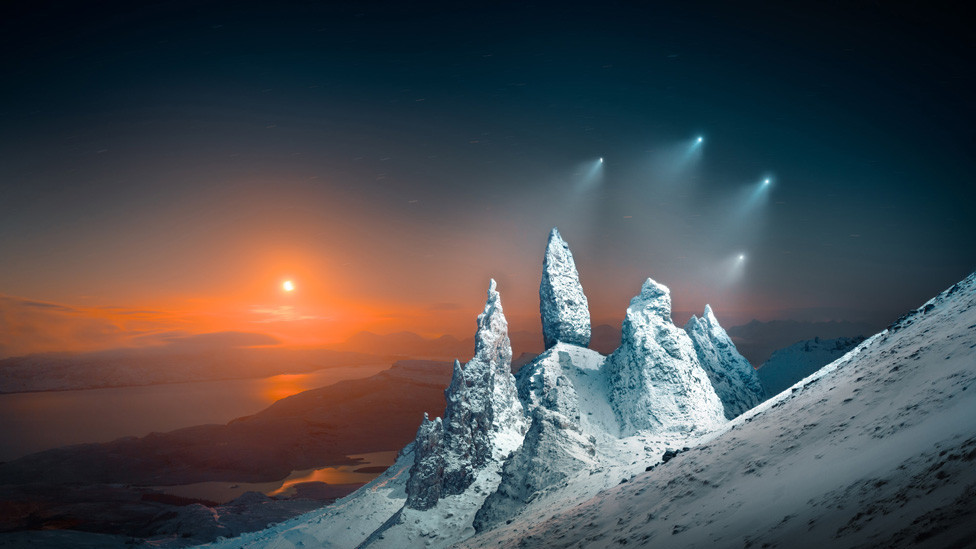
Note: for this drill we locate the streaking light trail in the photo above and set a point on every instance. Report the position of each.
(589, 175)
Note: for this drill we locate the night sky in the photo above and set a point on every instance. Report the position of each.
(165, 166)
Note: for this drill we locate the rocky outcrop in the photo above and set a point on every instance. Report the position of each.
(426, 483)
(482, 407)
(562, 303)
(655, 380)
(735, 380)
(554, 447)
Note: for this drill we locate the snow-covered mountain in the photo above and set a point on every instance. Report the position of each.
(876, 449)
(585, 450)
(787, 366)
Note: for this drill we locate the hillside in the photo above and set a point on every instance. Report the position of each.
(874, 450)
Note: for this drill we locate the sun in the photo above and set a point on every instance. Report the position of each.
(288, 286)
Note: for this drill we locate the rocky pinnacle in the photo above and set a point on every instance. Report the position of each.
(562, 303)
(735, 380)
(481, 403)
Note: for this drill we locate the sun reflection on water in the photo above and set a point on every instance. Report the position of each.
(222, 492)
(276, 388)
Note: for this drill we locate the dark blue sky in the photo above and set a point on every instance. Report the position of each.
(422, 149)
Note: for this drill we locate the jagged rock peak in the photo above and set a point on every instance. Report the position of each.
(707, 321)
(709, 316)
(656, 381)
(457, 380)
(483, 418)
(426, 484)
(654, 299)
(735, 380)
(562, 303)
(491, 342)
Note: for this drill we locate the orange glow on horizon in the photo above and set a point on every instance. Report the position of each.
(282, 386)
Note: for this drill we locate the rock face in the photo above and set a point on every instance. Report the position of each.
(482, 406)
(565, 312)
(655, 380)
(554, 447)
(735, 380)
(426, 483)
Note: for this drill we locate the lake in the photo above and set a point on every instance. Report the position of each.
(31, 422)
(222, 492)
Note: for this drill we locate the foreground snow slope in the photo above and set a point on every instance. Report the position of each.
(876, 449)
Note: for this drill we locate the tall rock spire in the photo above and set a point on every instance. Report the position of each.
(656, 382)
(562, 303)
(734, 379)
(482, 407)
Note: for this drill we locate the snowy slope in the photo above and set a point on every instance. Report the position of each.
(876, 449)
(791, 364)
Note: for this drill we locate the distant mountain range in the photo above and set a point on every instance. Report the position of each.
(445, 347)
(787, 366)
(203, 357)
(239, 355)
(757, 340)
(604, 339)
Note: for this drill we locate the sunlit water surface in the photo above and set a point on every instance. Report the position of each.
(31, 422)
(222, 492)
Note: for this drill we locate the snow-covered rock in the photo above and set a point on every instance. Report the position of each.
(791, 364)
(555, 446)
(426, 482)
(482, 405)
(734, 379)
(656, 382)
(562, 303)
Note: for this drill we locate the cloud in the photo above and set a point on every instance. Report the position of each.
(42, 305)
(284, 313)
(28, 326)
(222, 340)
(131, 312)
